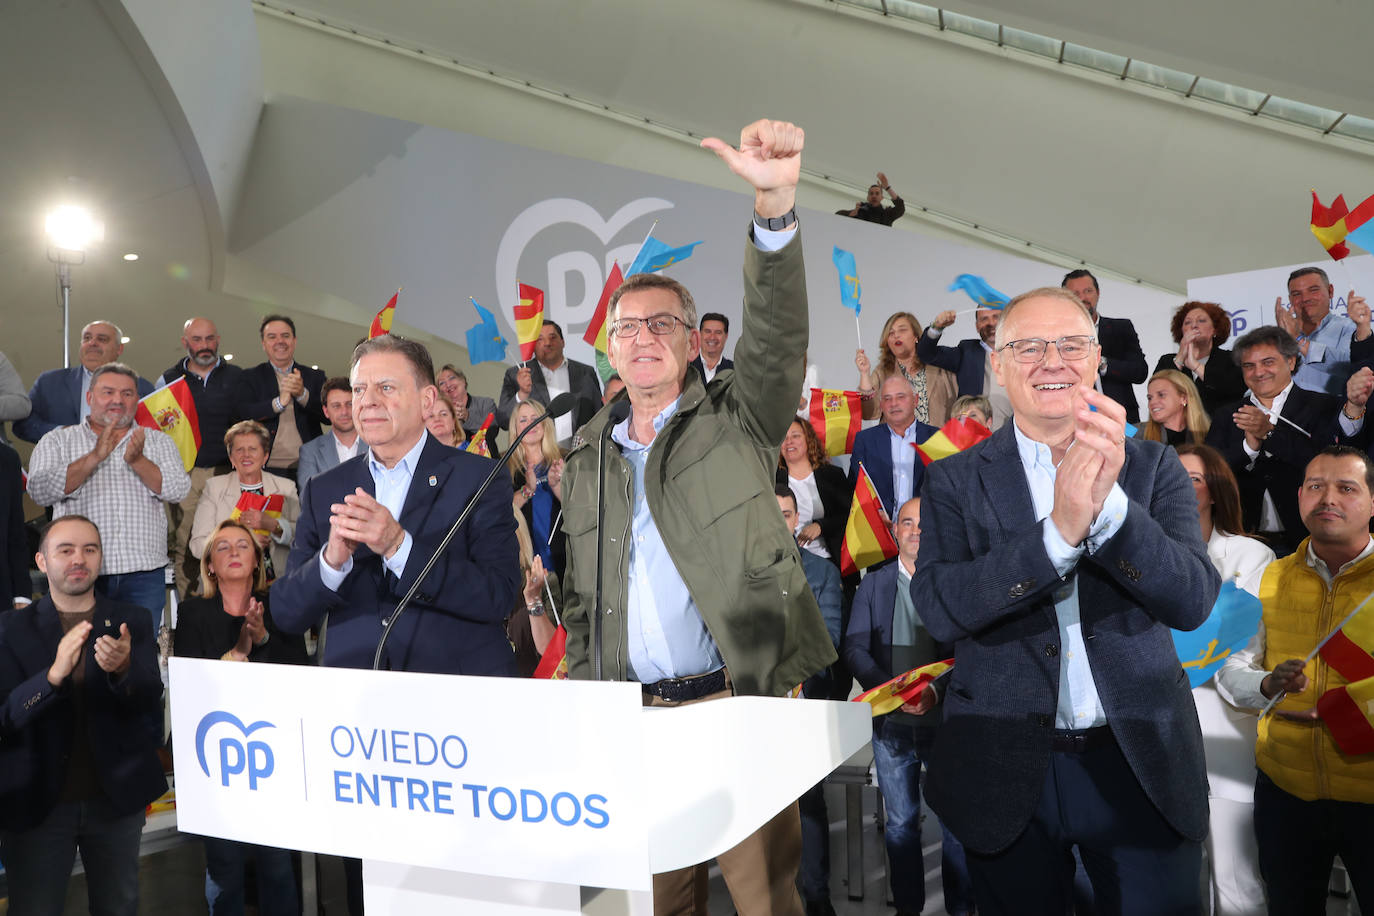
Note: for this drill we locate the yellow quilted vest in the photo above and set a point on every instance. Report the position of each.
(1300, 757)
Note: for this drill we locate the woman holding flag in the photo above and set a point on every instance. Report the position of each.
(265, 503)
(536, 470)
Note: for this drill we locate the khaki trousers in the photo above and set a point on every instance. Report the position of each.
(761, 872)
(182, 514)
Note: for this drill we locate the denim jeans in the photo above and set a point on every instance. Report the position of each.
(146, 589)
(224, 864)
(38, 862)
(899, 746)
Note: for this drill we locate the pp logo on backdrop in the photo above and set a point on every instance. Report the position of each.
(238, 754)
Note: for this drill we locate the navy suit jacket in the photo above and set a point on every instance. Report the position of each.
(583, 382)
(36, 719)
(1126, 364)
(725, 363)
(258, 386)
(867, 645)
(968, 360)
(1283, 456)
(56, 399)
(986, 585)
(454, 625)
(873, 449)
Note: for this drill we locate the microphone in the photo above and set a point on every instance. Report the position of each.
(557, 408)
(618, 412)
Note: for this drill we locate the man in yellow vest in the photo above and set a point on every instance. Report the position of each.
(1314, 793)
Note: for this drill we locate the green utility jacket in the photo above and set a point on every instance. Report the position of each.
(709, 483)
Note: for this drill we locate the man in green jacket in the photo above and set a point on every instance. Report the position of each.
(703, 591)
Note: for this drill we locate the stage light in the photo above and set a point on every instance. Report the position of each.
(73, 228)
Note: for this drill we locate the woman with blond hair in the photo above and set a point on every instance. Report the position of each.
(935, 388)
(1175, 410)
(230, 621)
(536, 470)
(442, 422)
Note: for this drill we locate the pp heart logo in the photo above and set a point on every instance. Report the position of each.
(570, 277)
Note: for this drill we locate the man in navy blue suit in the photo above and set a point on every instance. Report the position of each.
(886, 637)
(970, 361)
(887, 451)
(78, 763)
(58, 396)
(369, 525)
(1057, 556)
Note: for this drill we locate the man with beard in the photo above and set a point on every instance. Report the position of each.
(78, 679)
(214, 387)
(970, 361)
(58, 396)
(118, 475)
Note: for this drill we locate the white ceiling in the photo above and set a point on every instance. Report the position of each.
(1136, 182)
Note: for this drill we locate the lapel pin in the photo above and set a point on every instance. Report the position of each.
(107, 622)
(433, 481)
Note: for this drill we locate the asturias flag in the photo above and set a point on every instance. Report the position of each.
(1234, 619)
(980, 291)
(382, 323)
(836, 417)
(953, 437)
(529, 318)
(655, 256)
(850, 288)
(485, 343)
(173, 411)
(596, 328)
(866, 539)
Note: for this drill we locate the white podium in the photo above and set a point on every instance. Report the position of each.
(490, 795)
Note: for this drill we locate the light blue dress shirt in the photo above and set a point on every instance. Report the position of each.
(903, 466)
(1326, 366)
(392, 485)
(1079, 705)
(667, 637)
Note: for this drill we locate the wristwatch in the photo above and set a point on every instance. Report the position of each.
(778, 223)
(536, 609)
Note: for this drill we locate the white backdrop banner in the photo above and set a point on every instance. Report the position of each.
(450, 215)
(1248, 296)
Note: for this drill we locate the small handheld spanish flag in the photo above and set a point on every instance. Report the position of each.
(904, 688)
(529, 318)
(836, 417)
(270, 506)
(950, 439)
(382, 323)
(173, 411)
(596, 328)
(478, 443)
(866, 539)
(553, 664)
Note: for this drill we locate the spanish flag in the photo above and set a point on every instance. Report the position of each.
(553, 664)
(529, 318)
(270, 506)
(1348, 712)
(1343, 650)
(836, 417)
(904, 688)
(173, 411)
(866, 539)
(478, 444)
(953, 437)
(596, 328)
(1328, 225)
(382, 323)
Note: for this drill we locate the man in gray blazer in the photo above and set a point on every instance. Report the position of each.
(340, 443)
(1058, 555)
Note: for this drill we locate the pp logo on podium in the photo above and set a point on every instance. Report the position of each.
(238, 755)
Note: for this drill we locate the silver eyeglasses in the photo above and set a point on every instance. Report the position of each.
(658, 325)
(1035, 349)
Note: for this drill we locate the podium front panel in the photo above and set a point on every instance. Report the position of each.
(540, 780)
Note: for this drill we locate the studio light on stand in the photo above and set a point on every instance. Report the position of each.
(71, 231)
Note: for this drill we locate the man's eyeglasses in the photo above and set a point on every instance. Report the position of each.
(1035, 349)
(658, 325)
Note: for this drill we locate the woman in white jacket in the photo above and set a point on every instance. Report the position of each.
(1228, 732)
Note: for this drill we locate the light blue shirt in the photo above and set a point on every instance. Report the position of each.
(668, 638)
(1326, 366)
(392, 485)
(1079, 705)
(903, 466)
